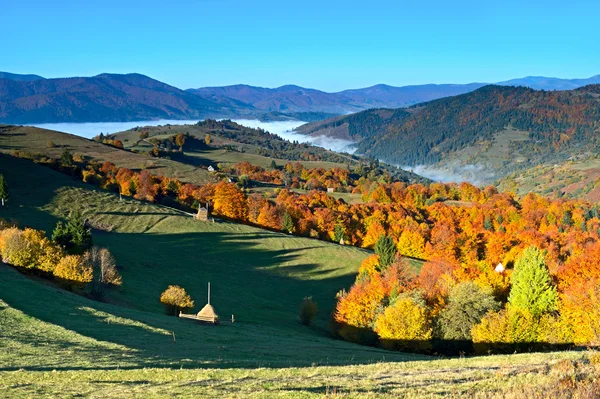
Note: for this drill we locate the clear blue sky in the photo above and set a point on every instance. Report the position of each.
(329, 45)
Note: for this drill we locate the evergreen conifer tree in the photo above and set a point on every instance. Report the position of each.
(532, 287)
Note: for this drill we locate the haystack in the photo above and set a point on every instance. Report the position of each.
(208, 312)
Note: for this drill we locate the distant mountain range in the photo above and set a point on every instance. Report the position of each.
(111, 97)
(543, 83)
(18, 77)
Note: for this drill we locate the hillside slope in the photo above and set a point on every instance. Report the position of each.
(492, 126)
(52, 144)
(58, 344)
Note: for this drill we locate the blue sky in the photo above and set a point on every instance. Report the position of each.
(329, 45)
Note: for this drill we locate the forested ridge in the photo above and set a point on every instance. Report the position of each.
(559, 123)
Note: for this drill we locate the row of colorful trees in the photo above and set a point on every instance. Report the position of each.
(68, 257)
(462, 224)
(445, 303)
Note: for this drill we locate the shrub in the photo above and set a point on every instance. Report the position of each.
(467, 305)
(176, 299)
(73, 272)
(12, 245)
(308, 311)
(404, 325)
(506, 331)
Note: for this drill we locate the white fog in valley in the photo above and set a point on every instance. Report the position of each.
(283, 129)
(91, 129)
(454, 172)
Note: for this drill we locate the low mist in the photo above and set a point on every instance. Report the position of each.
(284, 129)
(478, 175)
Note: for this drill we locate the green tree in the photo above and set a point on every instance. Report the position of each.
(3, 189)
(338, 233)
(66, 159)
(73, 235)
(467, 304)
(386, 250)
(532, 287)
(287, 223)
(487, 224)
(273, 164)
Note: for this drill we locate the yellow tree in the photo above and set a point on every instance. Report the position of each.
(404, 325)
(230, 201)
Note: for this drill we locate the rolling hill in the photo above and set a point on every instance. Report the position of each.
(59, 344)
(500, 128)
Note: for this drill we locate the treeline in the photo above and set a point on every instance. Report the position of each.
(297, 176)
(68, 257)
(558, 122)
(446, 308)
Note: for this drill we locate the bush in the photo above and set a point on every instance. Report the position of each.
(308, 311)
(176, 299)
(467, 305)
(404, 325)
(506, 331)
(73, 272)
(29, 249)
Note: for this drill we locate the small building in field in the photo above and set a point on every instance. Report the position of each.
(210, 168)
(330, 190)
(203, 213)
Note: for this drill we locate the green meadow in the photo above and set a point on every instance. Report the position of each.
(55, 343)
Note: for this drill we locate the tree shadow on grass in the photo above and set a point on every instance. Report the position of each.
(262, 287)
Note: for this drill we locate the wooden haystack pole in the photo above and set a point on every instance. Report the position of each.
(206, 315)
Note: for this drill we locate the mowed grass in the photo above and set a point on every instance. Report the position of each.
(36, 140)
(57, 344)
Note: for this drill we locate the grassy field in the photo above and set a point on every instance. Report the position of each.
(58, 344)
(36, 140)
